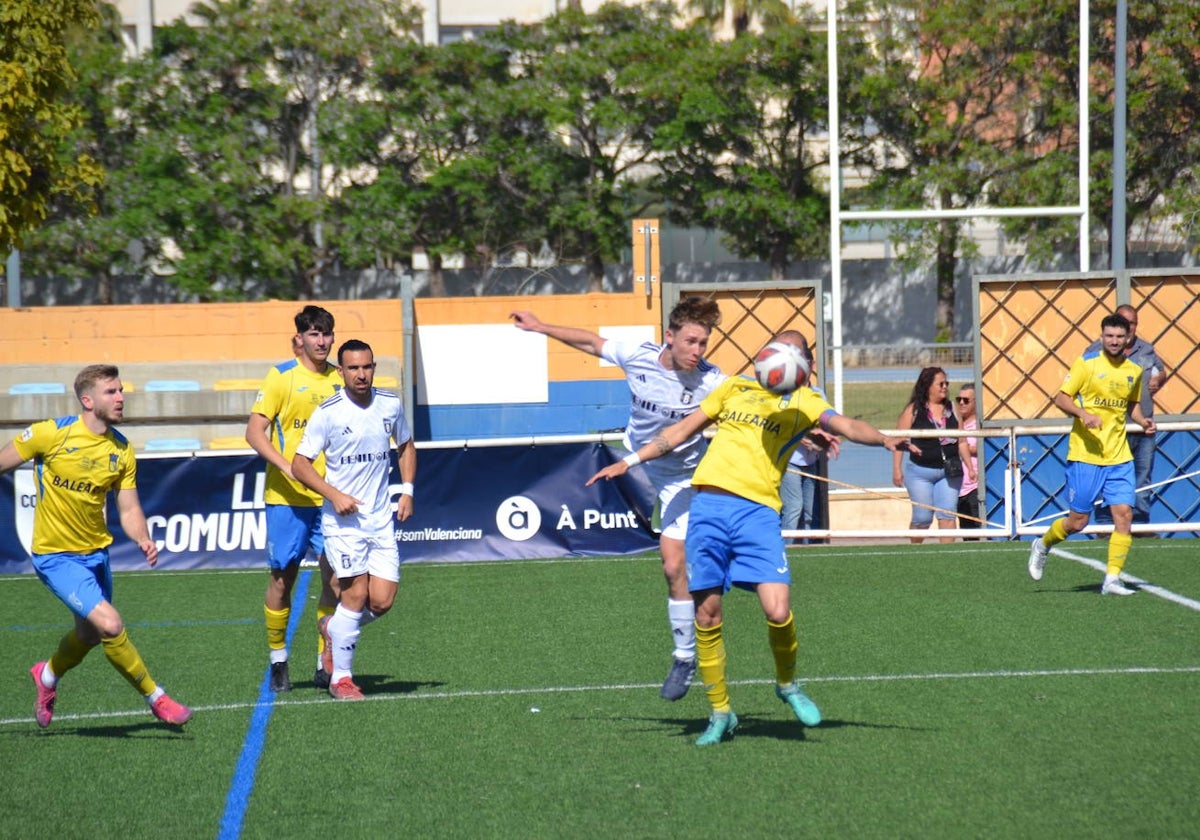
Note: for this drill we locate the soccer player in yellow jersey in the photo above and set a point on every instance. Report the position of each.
(1100, 390)
(78, 461)
(290, 392)
(733, 536)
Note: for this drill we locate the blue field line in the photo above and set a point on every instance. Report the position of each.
(242, 784)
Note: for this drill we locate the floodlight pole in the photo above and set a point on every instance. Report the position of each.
(1116, 242)
(835, 210)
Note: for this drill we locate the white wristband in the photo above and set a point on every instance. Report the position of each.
(406, 489)
(631, 459)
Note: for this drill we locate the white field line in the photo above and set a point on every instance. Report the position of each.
(320, 698)
(1142, 585)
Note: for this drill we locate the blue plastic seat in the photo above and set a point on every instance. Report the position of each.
(172, 385)
(37, 388)
(173, 445)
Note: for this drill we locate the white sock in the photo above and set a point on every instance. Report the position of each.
(279, 655)
(343, 630)
(682, 615)
(49, 680)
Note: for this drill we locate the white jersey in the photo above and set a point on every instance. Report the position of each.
(357, 450)
(661, 397)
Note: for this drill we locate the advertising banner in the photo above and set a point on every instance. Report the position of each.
(486, 503)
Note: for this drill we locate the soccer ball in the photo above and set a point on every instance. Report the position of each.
(780, 368)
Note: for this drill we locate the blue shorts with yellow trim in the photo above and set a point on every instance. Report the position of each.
(733, 541)
(1086, 483)
(291, 533)
(81, 581)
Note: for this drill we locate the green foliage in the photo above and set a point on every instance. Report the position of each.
(581, 82)
(37, 165)
(1163, 108)
(740, 153)
(960, 105)
(196, 160)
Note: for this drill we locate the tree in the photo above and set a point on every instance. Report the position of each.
(956, 103)
(105, 239)
(742, 13)
(1163, 109)
(35, 77)
(424, 157)
(740, 154)
(228, 133)
(581, 81)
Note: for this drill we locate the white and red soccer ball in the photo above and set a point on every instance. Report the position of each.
(781, 368)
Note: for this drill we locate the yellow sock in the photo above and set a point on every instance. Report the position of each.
(322, 611)
(1056, 534)
(1118, 550)
(710, 661)
(69, 654)
(277, 622)
(128, 662)
(783, 648)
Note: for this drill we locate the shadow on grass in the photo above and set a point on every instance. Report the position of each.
(380, 684)
(139, 729)
(753, 726)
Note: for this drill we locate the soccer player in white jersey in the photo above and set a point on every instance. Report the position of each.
(666, 383)
(354, 429)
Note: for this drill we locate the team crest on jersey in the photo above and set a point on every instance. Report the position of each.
(687, 397)
(387, 426)
(112, 463)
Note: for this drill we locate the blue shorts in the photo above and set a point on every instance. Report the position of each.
(291, 532)
(81, 581)
(1088, 482)
(733, 541)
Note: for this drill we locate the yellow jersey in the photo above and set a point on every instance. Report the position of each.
(756, 433)
(73, 471)
(1105, 389)
(287, 398)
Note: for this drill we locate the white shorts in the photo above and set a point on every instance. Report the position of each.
(675, 494)
(353, 555)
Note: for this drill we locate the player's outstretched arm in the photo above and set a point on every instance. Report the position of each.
(860, 431)
(663, 442)
(576, 337)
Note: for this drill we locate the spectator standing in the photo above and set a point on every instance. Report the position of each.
(935, 473)
(968, 494)
(799, 490)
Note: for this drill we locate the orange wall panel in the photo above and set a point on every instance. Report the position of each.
(182, 332)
